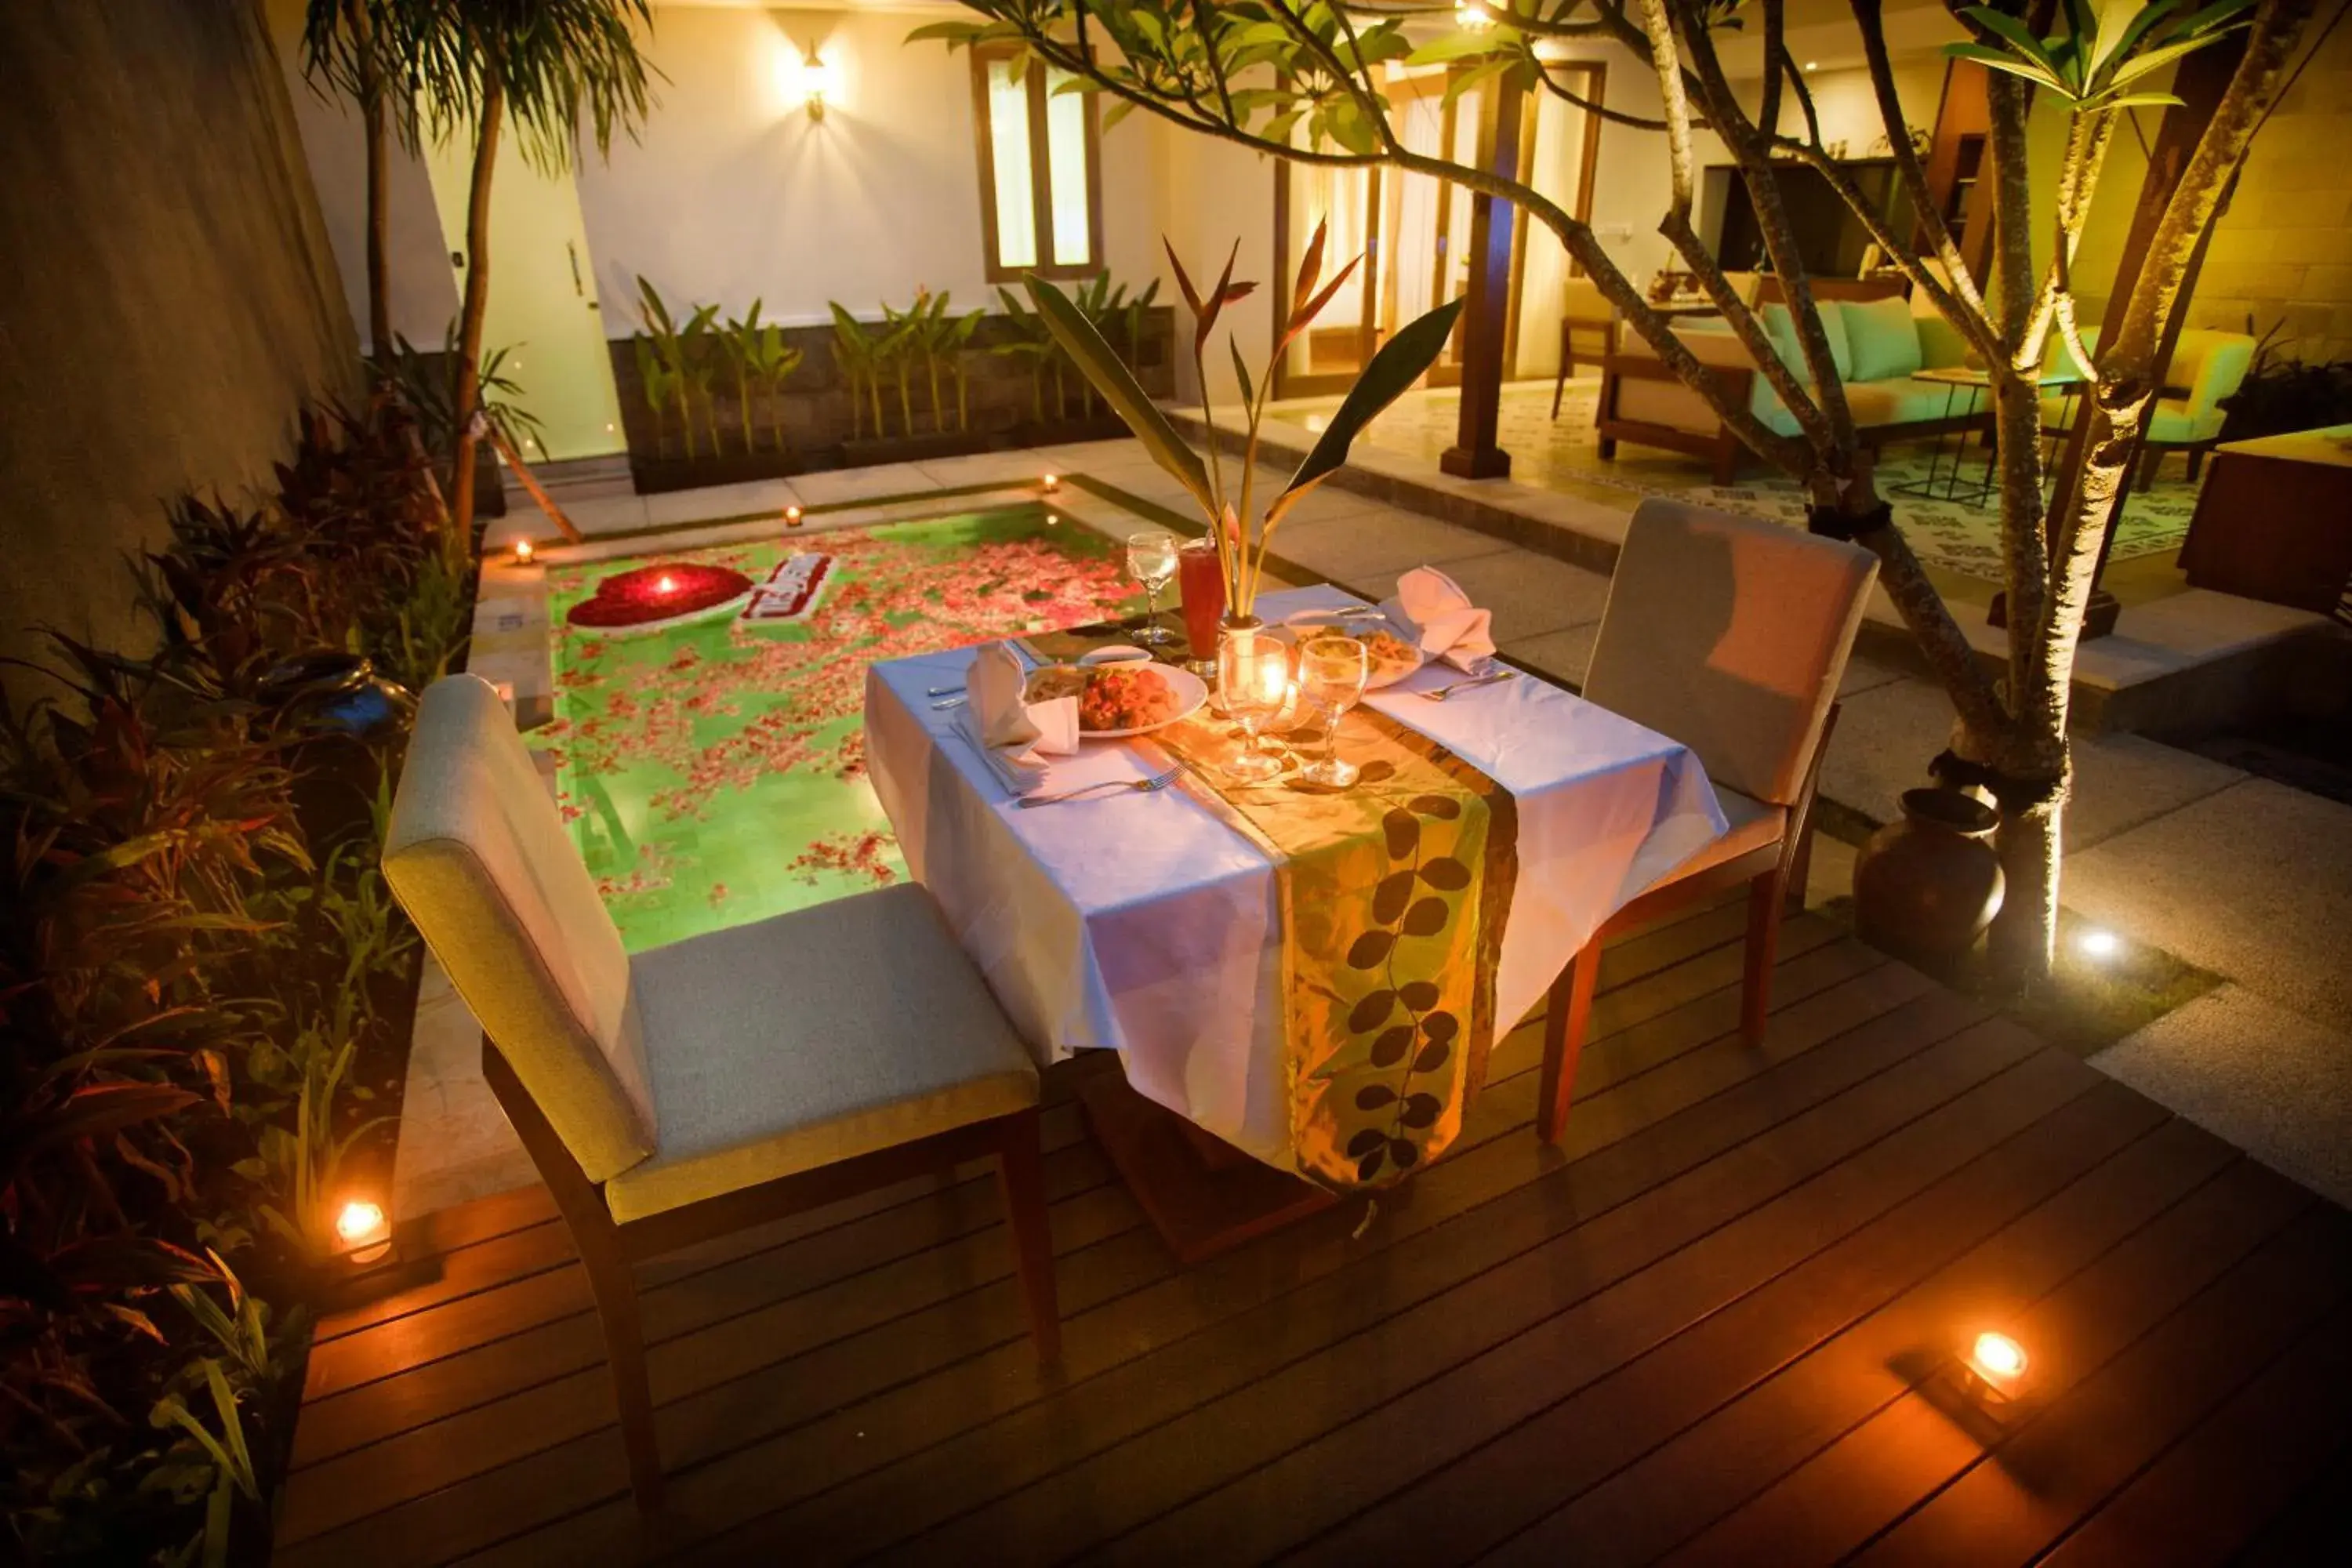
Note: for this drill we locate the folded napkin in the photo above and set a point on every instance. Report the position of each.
(1442, 620)
(1014, 735)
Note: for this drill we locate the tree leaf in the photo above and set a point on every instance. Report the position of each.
(1100, 364)
(1400, 363)
(1241, 373)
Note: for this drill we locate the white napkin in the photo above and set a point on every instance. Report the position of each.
(1014, 735)
(1444, 622)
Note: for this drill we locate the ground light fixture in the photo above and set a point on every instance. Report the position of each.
(362, 1232)
(1996, 1366)
(2099, 942)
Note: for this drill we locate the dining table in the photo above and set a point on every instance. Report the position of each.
(1152, 923)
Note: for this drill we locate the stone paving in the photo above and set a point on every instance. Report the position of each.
(2241, 876)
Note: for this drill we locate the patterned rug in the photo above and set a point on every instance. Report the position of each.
(713, 773)
(1544, 451)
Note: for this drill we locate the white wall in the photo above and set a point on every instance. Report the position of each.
(421, 289)
(734, 193)
(1207, 195)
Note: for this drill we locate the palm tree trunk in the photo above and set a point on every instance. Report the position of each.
(378, 183)
(467, 368)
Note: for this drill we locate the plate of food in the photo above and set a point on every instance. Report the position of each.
(1117, 699)
(1391, 653)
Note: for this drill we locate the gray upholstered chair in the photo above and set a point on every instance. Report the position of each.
(713, 1084)
(1588, 331)
(1730, 636)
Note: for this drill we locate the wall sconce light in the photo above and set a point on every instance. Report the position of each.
(362, 1232)
(814, 81)
(1472, 16)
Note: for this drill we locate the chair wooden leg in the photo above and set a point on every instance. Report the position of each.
(1727, 460)
(1764, 916)
(1565, 1016)
(1560, 387)
(2196, 455)
(1800, 870)
(615, 1289)
(1021, 1177)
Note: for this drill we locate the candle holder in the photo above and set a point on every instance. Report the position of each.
(1253, 685)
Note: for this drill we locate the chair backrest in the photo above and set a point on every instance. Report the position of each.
(2208, 366)
(1581, 301)
(1893, 286)
(479, 858)
(1730, 636)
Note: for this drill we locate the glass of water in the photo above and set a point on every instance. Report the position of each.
(1152, 560)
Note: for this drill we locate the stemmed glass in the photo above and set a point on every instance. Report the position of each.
(1254, 684)
(1331, 675)
(1152, 560)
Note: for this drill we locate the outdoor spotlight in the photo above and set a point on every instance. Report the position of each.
(1053, 519)
(2099, 942)
(816, 79)
(362, 1231)
(1996, 1366)
(792, 517)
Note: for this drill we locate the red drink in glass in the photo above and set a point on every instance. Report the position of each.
(1201, 584)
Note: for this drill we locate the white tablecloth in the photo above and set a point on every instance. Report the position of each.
(1141, 923)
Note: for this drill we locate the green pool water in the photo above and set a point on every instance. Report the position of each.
(714, 774)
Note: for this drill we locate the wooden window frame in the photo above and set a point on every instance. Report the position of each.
(1041, 186)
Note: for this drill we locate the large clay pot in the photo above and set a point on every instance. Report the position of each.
(1928, 886)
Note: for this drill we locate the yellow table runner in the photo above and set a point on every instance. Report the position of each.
(1393, 893)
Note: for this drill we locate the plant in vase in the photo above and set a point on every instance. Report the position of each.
(1240, 528)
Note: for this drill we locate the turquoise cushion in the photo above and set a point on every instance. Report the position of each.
(1881, 338)
(1782, 326)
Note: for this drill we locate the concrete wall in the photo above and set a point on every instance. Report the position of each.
(167, 295)
(2283, 253)
(734, 193)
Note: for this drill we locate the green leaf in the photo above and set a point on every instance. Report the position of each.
(2140, 101)
(1993, 59)
(1460, 45)
(1351, 130)
(1477, 76)
(1241, 374)
(1100, 364)
(952, 33)
(1400, 363)
(1120, 109)
(2131, 70)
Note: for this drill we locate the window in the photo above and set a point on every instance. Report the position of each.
(1040, 188)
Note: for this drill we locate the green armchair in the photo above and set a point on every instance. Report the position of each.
(2206, 367)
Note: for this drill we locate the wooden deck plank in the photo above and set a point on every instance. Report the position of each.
(1871, 1475)
(2239, 1468)
(1675, 1490)
(1691, 1320)
(1488, 1493)
(2012, 1505)
(775, 1400)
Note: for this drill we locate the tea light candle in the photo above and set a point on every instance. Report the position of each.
(666, 583)
(792, 517)
(522, 551)
(364, 1232)
(1998, 1362)
(1051, 483)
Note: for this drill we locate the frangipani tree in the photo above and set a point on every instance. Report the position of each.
(1305, 80)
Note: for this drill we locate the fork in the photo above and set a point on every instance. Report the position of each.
(1440, 693)
(1142, 786)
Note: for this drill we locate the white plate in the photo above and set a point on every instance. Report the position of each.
(1354, 621)
(1191, 693)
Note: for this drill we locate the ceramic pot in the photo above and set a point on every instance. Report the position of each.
(1928, 886)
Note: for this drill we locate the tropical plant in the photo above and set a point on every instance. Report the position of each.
(894, 350)
(1240, 532)
(859, 355)
(1032, 344)
(1305, 80)
(660, 387)
(353, 45)
(547, 65)
(425, 383)
(684, 355)
(955, 343)
(759, 353)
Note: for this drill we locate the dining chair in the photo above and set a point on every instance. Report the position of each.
(1730, 636)
(717, 1083)
(1588, 331)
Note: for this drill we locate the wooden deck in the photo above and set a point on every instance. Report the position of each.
(1699, 1332)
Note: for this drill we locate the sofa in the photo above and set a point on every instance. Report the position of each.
(2205, 369)
(1875, 339)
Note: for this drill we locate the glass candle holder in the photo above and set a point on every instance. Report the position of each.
(1253, 685)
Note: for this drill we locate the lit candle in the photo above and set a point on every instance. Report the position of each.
(362, 1230)
(666, 583)
(522, 551)
(1052, 482)
(1998, 1363)
(792, 517)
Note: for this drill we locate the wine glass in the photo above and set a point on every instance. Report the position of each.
(1152, 560)
(1331, 675)
(1254, 684)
